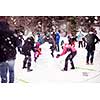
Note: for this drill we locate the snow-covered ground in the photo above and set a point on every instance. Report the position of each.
(48, 69)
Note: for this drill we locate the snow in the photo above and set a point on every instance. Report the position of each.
(48, 69)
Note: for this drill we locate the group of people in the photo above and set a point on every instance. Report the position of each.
(10, 40)
(90, 40)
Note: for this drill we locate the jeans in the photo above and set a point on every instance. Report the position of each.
(57, 47)
(6, 67)
(70, 57)
(27, 61)
(90, 53)
(80, 44)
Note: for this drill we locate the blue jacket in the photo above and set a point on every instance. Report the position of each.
(57, 37)
(40, 39)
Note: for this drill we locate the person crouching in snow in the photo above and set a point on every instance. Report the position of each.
(37, 51)
(68, 48)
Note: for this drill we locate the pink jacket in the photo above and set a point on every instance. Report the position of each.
(68, 48)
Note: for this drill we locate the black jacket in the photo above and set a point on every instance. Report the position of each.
(28, 46)
(8, 43)
(91, 40)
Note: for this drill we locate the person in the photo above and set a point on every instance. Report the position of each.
(40, 38)
(62, 42)
(54, 36)
(69, 37)
(57, 40)
(8, 43)
(80, 39)
(26, 50)
(20, 36)
(91, 39)
(53, 45)
(37, 51)
(68, 48)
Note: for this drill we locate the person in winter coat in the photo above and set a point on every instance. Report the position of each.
(40, 39)
(54, 36)
(69, 37)
(53, 45)
(57, 40)
(68, 48)
(20, 36)
(26, 50)
(91, 39)
(80, 39)
(8, 43)
(37, 51)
